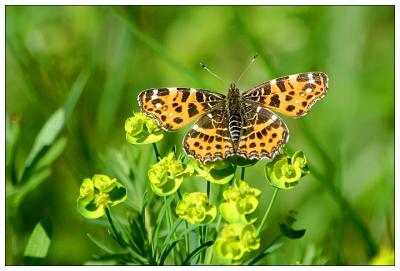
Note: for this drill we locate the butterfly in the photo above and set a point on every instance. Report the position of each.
(235, 124)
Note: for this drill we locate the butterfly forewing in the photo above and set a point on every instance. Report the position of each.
(263, 132)
(209, 138)
(291, 95)
(173, 108)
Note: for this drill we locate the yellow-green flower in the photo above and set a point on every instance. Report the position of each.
(285, 171)
(195, 208)
(219, 172)
(167, 175)
(234, 240)
(241, 202)
(98, 193)
(140, 129)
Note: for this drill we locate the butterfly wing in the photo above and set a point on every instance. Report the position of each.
(292, 95)
(173, 108)
(209, 138)
(262, 134)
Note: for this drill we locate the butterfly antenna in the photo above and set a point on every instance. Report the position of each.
(247, 68)
(212, 73)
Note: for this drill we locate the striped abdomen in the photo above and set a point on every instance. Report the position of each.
(235, 125)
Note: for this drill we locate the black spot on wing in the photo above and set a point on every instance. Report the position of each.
(185, 95)
(192, 110)
(199, 97)
(162, 92)
(275, 102)
(178, 120)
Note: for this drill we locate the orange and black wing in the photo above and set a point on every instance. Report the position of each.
(173, 108)
(292, 95)
(209, 138)
(262, 134)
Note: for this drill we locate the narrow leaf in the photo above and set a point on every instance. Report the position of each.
(99, 244)
(166, 252)
(267, 251)
(75, 94)
(195, 252)
(45, 138)
(51, 154)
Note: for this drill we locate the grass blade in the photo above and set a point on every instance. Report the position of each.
(114, 85)
(166, 251)
(195, 252)
(75, 94)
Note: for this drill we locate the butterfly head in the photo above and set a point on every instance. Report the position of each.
(233, 90)
(233, 98)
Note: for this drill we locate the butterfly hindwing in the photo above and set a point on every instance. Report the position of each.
(292, 95)
(209, 139)
(263, 132)
(173, 108)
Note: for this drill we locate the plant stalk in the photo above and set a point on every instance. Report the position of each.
(156, 152)
(267, 212)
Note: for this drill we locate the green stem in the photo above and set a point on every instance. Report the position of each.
(169, 222)
(186, 227)
(208, 190)
(156, 152)
(202, 241)
(111, 222)
(267, 212)
(242, 176)
(179, 194)
(234, 174)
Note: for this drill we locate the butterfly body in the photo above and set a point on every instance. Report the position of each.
(233, 111)
(236, 124)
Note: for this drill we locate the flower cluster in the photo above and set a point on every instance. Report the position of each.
(234, 241)
(141, 129)
(240, 235)
(218, 172)
(195, 208)
(285, 171)
(241, 202)
(98, 193)
(167, 175)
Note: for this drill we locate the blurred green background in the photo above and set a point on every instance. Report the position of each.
(346, 205)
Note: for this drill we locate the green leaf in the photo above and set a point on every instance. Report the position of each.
(195, 252)
(35, 180)
(291, 233)
(51, 154)
(267, 251)
(99, 244)
(44, 139)
(166, 252)
(50, 130)
(75, 94)
(39, 241)
(12, 132)
(160, 218)
(114, 86)
(173, 229)
(12, 143)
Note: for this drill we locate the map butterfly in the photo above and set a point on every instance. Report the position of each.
(236, 124)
